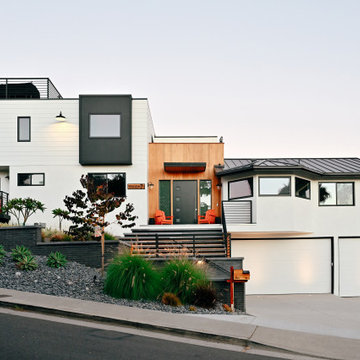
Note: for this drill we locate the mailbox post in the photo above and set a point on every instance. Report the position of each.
(236, 276)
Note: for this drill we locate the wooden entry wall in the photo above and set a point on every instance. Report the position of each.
(159, 153)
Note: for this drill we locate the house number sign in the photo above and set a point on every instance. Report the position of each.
(136, 186)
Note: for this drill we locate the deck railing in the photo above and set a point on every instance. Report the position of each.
(13, 88)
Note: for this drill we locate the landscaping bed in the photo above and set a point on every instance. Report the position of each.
(76, 281)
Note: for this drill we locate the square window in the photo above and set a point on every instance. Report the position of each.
(241, 188)
(105, 126)
(274, 186)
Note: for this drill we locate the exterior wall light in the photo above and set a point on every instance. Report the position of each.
(150, 185)
(218, 186)
(60, 117)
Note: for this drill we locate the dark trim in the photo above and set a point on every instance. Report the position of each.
(18, 128)
(242, 179)
(187, 137)
(337, 182)
(104, 137)
(31, 175)
(349, 237)
(274, 177)
(332, 266)
(300, 197)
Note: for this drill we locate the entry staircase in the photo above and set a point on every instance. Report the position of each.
(167, 241)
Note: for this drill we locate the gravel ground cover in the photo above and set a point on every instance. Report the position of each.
(76, 281)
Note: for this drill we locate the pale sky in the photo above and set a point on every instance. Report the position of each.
(275, 78)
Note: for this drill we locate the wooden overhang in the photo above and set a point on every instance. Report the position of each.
(185, 167)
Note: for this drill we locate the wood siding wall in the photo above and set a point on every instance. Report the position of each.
(211, 153)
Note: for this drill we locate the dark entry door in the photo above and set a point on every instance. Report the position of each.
(185, 201)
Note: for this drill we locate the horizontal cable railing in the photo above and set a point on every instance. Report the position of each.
(237, 212)
(28, 88)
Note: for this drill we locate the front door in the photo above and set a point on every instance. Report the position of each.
(185, 201)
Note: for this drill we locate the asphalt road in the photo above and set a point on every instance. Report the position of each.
(31, 338)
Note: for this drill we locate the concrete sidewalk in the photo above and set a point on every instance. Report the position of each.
(315, 325)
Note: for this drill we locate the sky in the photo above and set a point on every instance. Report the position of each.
(275, 78)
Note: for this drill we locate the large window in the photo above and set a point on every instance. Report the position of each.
(105, 125)
(205, 196)
(240, 188)
(336, 194)
(23, 129)
(274, 186)
(302, 188)
(114, 183)
(35, 179)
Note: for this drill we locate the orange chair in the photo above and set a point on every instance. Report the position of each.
(208, 218)
(162, 219)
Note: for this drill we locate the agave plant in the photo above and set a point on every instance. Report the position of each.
(56, 260)
(20, 252)
(27, 263)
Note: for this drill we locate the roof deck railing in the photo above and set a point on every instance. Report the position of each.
(28, 88)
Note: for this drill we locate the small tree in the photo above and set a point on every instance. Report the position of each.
(60, 214)
(23, 208)
(89, 210)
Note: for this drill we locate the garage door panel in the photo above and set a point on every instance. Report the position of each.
(285, 266)
(349, 266)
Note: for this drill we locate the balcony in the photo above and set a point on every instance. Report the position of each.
(4, 198)
(28, 88)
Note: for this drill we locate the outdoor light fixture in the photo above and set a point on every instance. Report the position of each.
(60, 117)
(150, 185)
(218, 186)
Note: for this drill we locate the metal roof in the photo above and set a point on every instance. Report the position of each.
(320, 166)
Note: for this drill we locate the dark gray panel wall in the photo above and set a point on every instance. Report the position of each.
(105, 151)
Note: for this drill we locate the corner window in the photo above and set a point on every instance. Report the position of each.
(240, 188)
(114, 183)
(36, 179)
(336, 194)
(23, 129)
(302, 188)
(205, 196)
(105, 125)
(274, 186)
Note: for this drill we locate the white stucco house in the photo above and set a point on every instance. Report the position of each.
(43, 154)
(296, 222)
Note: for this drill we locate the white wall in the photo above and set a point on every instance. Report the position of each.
(54, 150)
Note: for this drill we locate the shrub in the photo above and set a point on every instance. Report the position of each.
(56, 260)
(2, 253)
(181, 276)
(192, 308)
(27, 263)
(131, 277)
(109, 236)
(20, 252)
(170, 299)
(55, 236)
(205, 296)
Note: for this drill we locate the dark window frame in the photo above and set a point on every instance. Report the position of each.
(274, 177)
(104, 137)
(336, 192)
(300, 197)
(18, 128)
(31, 175)
(241, 197)
(111, 173)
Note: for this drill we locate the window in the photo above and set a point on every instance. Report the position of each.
(164, 196)
(336, 194)
(205, 196)
(105, 125)
(115, 183)
(24, 129)
(274, 186)
(240, 188)
(36, 179)
(302, 188)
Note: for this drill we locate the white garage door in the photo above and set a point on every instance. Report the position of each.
(349, 266)
(286, 266)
